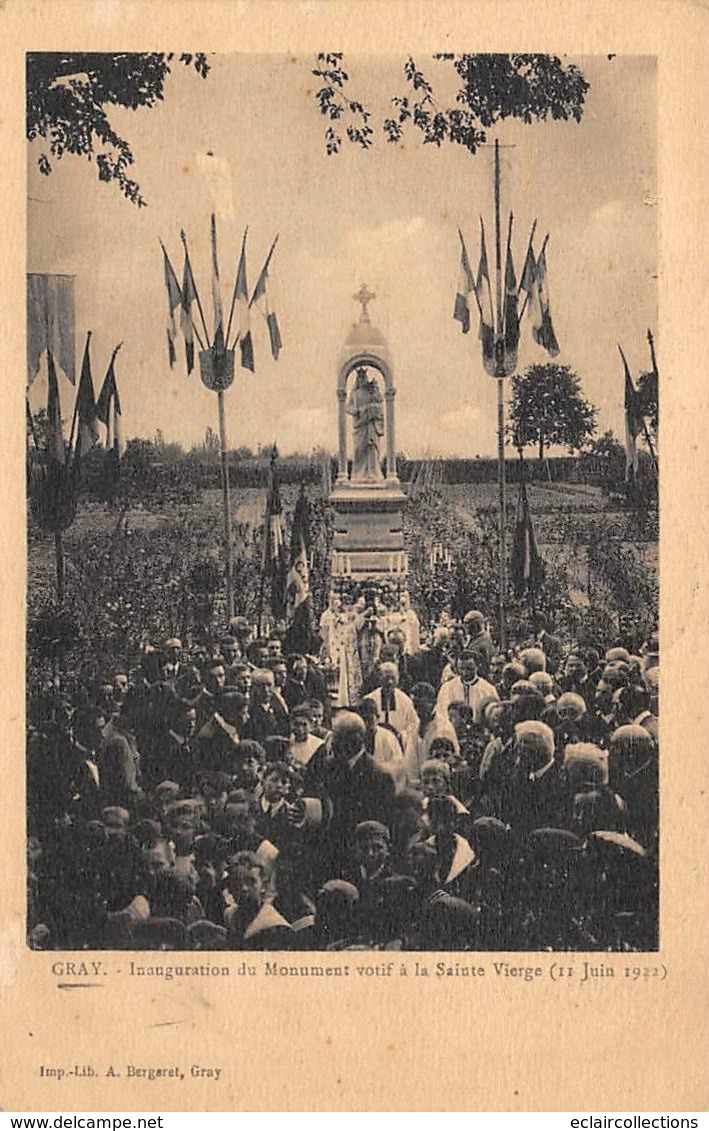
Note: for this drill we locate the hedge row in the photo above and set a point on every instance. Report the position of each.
(564, 469)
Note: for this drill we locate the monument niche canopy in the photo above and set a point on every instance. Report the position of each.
(368, 542)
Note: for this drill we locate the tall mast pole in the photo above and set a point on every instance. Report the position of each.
(501, 477)
(651, 343)
(224, 458)
(226, 499)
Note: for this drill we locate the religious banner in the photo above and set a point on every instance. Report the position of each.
(50, 323)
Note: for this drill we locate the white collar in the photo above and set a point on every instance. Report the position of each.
(462, 857)
(266, 917)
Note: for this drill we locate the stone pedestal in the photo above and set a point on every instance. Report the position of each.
(368, 541)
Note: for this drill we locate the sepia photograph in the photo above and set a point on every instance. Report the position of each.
(342, 410)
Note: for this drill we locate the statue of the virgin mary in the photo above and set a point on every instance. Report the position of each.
(364, 405)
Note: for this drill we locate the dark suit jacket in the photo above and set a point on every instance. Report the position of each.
(360, 792)
(314, 687)
(265, 722)
(484, 649)
(426, 666)
(529, 805)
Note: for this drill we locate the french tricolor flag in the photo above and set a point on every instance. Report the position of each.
(262, 301)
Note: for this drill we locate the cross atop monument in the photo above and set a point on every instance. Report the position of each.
(364, 296)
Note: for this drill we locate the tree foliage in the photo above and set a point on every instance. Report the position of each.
(38, 437)
(70, 97)
(547, 407)
(607, 446)
(490, 89)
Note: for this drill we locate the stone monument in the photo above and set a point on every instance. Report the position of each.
(368, 542)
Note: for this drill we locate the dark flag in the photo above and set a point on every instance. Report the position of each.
(543, 328)
(174, 299)
(55, 447)
(528, 281)
(189, 296)
(273, 566)
(108, 410)
(527, 566)
(299, 612)
(483, 290)
(466, 287)
(243, 313)
(86, 406)
(633, 422)
(511, 318)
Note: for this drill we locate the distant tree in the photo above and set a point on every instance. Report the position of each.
(37, 432)
(243, 452)
(70, 95)
(211, 440)
(607, 446)
(170, 451)
(490, 89)
(547, 408)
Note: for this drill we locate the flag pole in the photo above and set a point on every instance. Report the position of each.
(531, 587)
(651, 343)
(184, 241)
(183, 237)
(465, 252)
(267, 263)
(509, 240)
(265, 549)
(649, 444)
(76, 402)
(500, 413)
(236, 283)
(30, 421)
(223, 452)
(529, 248)
(226, 499)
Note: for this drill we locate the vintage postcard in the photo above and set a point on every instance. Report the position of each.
(343, 542)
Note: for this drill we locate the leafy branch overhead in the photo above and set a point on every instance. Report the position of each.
(69, 98)
(491, 88)
(335, 104)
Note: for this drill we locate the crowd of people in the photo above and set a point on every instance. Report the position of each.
(224, 797)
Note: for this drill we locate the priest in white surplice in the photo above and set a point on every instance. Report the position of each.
(394, 706)
(406, 619)
(466, 687)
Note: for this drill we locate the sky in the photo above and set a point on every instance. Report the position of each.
(387, 217)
